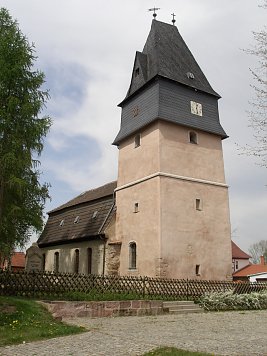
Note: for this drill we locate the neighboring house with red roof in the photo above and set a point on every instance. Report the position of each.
(17, 262)
(252, 272)
(240, 259)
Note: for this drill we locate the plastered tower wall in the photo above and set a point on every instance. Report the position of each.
(141, 226)
(193, 235)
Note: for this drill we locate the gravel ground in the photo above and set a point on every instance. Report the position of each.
(227, 333)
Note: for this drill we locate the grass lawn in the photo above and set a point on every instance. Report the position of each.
(24, 320)
(172, 351)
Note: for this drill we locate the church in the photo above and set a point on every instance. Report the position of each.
(167, 215)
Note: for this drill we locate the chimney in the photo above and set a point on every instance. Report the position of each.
(262, 260)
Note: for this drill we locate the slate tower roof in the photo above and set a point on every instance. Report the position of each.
(166, 54)
(166, 58)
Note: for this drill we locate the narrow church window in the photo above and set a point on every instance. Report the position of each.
(43, 262)
(76, 220)
(236, 265)
(137, 72)
(197, 270)
(137, 140)
(132, 255)
(198, 204)
(61, 223)
(76, 261)
(56, 262)
(89, 260)
(136, 207)
(192, 137)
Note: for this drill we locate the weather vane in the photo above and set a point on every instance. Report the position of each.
(173, 18)
(154, 9)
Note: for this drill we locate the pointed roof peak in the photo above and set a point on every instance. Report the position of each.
(167, 55)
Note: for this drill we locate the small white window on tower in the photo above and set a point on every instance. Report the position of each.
(198, 204)
(76, 220)
(61, 222)
(137, 140)
(190, 75)
(136, 207)
(193, 137)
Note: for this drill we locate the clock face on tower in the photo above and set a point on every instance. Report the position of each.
(196, 108)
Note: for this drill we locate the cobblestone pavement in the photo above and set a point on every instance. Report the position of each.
(228, 333)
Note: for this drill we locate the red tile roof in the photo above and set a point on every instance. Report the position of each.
(251, 269)
(238, 253)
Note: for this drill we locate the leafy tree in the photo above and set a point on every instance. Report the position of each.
(258, 249)
(22, 131)
(258, 114)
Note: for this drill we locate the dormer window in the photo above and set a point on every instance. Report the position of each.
(76, 220)
(95, 214)
(61, 222)
(137, 72)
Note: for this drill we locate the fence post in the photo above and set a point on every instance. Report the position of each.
(144, 286)
(187, 288)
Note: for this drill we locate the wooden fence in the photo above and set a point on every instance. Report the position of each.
(46, 284)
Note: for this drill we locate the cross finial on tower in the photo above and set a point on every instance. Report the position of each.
(154, 9)
(173, 18)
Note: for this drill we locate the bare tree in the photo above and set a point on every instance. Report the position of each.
(258, 114)
(258, 249)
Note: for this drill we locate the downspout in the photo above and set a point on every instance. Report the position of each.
(99, 232)
(104, 259)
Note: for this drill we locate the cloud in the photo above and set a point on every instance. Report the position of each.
(87, 50)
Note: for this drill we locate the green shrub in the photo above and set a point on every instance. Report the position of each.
(230, 301)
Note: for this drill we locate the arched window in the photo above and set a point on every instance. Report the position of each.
(76, 261)
(192, 137)
(89, 260)
(132, 255)
(56, 262)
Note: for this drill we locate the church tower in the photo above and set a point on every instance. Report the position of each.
(172, 216)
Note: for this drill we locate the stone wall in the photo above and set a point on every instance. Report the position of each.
(63, 309)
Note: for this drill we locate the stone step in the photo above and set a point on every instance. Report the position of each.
(181, 307)
(185, 311)
(193, 306)
(178, 303)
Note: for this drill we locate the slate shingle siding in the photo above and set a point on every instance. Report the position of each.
(166, 100)
(163, 90)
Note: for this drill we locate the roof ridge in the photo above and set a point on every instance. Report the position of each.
(88, 195)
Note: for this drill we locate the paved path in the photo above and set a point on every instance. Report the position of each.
(228, 333)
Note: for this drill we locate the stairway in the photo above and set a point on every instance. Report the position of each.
(181, 307)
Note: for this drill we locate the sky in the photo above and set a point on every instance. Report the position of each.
(86, 50)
